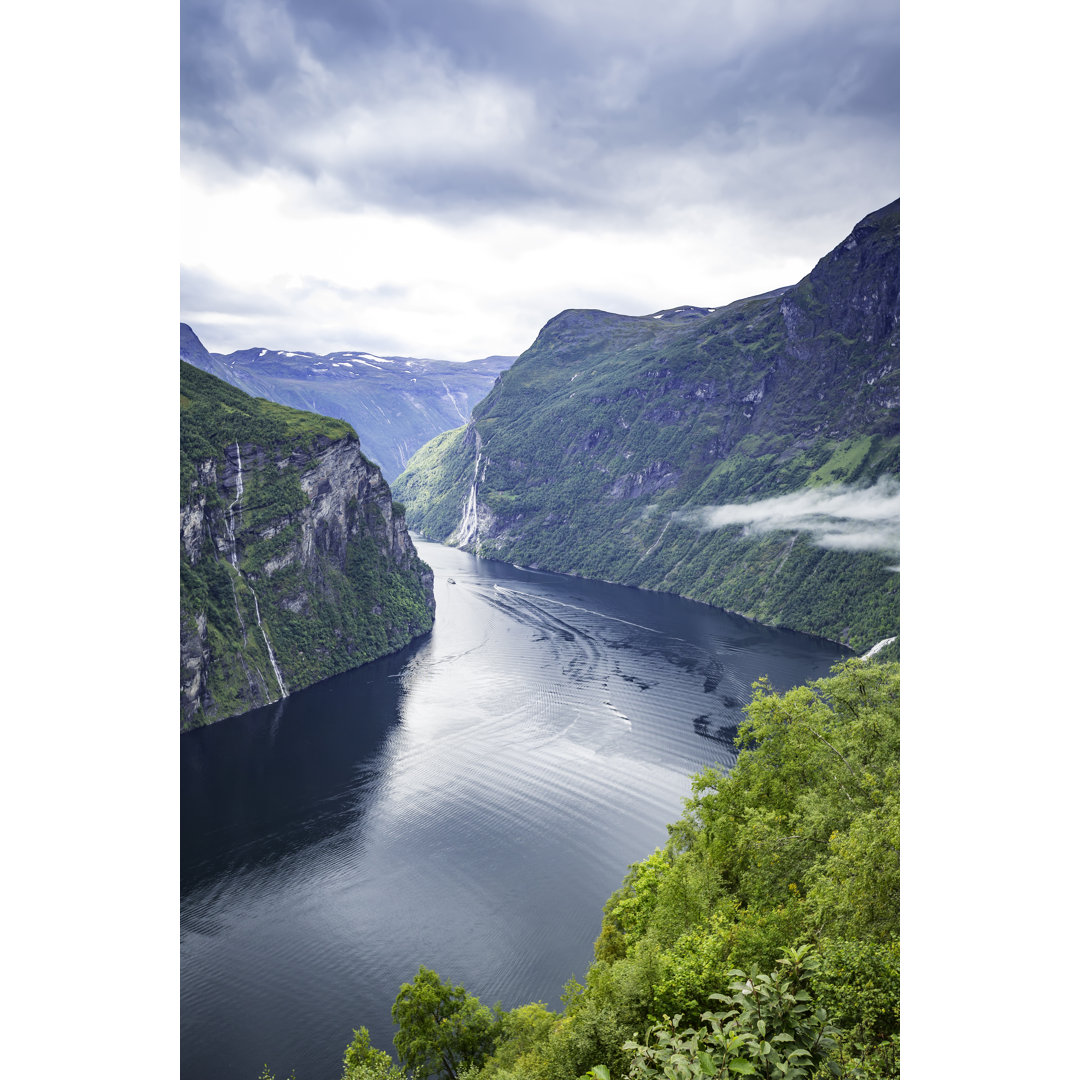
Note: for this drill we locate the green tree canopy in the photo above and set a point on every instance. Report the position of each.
(441, 1028)
(366, 1062)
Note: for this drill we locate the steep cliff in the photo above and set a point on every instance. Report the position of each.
(747, 455)
(295, 564)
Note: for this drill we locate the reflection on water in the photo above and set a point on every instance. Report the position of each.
(467, 804)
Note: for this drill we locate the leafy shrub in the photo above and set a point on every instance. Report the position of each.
(767, 1026)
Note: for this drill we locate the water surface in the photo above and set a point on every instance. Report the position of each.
(467, 804)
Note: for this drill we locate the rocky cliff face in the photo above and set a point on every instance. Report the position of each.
(295, 562)
(593, 452)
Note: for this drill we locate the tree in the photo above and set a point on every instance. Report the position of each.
(366, 1062)
(441, 1028)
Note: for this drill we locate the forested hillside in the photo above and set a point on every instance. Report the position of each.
(746, 456)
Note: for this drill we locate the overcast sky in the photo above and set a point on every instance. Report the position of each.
(440, 177)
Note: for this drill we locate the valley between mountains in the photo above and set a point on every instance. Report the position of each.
(745, 456)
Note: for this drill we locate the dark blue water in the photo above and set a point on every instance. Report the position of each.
(468, 804)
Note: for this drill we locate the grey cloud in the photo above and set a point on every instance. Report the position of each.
(234, 318)
(838, 517)
(201, 290)
(474, 35)
(354, 93)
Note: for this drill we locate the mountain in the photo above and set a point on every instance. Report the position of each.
(294, 562)
(395, 403)
(747, 456)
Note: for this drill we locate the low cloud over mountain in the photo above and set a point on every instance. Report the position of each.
(849, 519)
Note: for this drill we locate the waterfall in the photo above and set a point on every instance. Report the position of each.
(469, 528)
(229, 529)
(453, 401)
(270, 651)
(231, 532)
(469, 517)
(879, 646)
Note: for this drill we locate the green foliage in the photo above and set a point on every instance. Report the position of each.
(214, 416)
(441, 1028)
(522, 1034)
(437, 477)
(595, 1028)
(847, 461)
(366, 1062)
(697, 961)
(855, 893)
(628, 910)
(858, 984)
(767, 1026)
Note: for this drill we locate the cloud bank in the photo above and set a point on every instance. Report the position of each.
(613, 107)
(837, 517)
(590, 154)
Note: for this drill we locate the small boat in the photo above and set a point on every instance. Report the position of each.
(450, 581)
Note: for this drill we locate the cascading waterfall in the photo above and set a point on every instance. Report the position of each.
(877, 648)
(229, 512)
(470, 519)
(453, 401)
(230, 530)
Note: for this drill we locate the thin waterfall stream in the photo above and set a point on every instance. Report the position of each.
(269, 648)
(231, 531)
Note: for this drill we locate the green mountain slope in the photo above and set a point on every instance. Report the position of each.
(294, 562)
(655, 451)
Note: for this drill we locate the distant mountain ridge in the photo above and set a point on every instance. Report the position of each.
(746, 455)
(395, 403)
